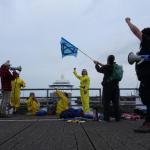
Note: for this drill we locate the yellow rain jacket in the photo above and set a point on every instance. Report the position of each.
(62, 104)
(32, 105)
(16, 84)
(84, 90)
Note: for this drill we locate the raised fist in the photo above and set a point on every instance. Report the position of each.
(127, 19)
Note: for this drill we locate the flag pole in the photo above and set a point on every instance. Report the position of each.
(86, 54)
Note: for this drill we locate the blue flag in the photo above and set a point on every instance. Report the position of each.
(68, 49)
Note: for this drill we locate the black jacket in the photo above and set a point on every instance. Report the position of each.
(106, 70)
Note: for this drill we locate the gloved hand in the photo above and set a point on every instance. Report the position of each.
(96, 62)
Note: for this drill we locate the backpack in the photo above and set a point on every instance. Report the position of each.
(117, 73)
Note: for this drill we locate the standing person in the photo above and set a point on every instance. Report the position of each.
(110, 87)
(6, 78)
(84, 89)
(33, 105)
(17, 84)
(143, 71)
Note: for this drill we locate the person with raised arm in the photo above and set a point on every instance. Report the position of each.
(84, 89)
(143, 71)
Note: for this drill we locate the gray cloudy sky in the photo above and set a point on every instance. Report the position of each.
(30, 32)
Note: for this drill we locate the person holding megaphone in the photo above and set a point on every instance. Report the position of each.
(6, 78)
(142, 68)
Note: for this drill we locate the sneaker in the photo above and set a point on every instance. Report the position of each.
(145, 128)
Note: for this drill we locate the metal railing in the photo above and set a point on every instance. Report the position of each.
(48, 91)
(94, 98)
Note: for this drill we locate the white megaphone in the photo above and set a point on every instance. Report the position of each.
(19, 68)
(132, 58)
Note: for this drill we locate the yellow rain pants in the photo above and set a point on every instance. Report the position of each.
(32, 105)
(84, 91)
(15, 93)
(62, 104)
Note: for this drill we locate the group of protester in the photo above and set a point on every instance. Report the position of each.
(11, 84)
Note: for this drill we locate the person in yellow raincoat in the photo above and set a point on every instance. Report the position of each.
(84, 89)
(63, 103)
(16, 84)
(33, 105)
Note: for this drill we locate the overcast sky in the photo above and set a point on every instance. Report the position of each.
(30, 32)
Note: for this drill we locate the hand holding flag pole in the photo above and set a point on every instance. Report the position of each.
(69, 49)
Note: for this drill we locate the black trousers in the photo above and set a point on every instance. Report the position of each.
(111, 93)
(144, 93)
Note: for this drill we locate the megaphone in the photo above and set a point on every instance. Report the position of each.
(19, 68)
(132, 58)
